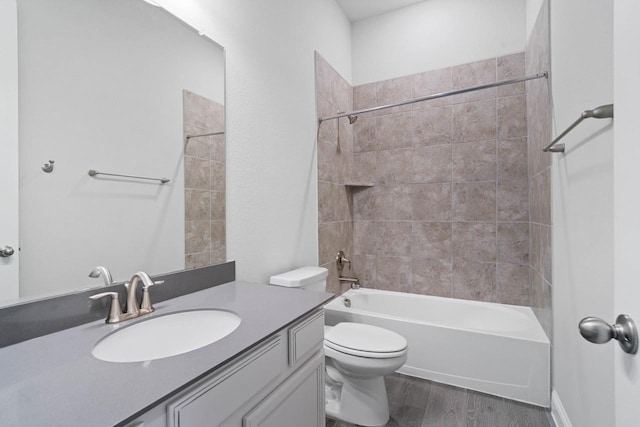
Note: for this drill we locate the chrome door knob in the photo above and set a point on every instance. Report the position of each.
(598, 331)
(6, 251)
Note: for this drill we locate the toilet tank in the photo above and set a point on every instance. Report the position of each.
(307, 278)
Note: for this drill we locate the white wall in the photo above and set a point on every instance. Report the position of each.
(101, 88)
(9, 148)
(532, 10)
(627, 204)
(435, 34)
(272, 221)
(582, 187)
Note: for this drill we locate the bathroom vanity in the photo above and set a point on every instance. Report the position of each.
(278, 383)
(268, 372)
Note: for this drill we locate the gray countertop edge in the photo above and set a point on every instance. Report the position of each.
(54, 379)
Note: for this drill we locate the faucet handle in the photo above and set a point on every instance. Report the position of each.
(156, 282)
(341, 260)
(144, 286)
(115, 312)
(146, 306)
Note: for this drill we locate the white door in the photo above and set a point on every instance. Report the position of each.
(8, 150)
(627, 201)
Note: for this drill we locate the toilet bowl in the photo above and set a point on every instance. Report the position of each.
(357, 357)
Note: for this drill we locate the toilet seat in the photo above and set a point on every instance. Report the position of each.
(362, 340)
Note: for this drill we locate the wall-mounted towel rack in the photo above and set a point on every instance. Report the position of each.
(93, 172)
(601, 112)
(188, 137)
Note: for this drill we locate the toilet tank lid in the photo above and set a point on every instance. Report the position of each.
(301, 277)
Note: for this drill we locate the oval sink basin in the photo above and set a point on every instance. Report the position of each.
(166, 336)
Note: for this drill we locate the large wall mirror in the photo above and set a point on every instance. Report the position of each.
(118, 87)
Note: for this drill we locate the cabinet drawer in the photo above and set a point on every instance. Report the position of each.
(220, 397)
(306, 336)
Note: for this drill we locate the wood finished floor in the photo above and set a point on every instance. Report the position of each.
(414, 402)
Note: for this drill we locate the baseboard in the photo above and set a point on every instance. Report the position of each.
(559, 415)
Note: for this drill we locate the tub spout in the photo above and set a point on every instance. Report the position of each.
(355, 283)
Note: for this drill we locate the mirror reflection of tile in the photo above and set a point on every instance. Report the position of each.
(204, 171)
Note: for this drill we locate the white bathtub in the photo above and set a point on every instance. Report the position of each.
(493, 348)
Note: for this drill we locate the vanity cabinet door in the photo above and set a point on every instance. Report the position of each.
(306, 337)
(299, 401)
(215, 402)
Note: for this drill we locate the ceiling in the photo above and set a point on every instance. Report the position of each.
(360, 9)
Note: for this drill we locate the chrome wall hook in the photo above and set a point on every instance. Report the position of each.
(48, 167)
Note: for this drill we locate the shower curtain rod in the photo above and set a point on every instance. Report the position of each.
(438, 95)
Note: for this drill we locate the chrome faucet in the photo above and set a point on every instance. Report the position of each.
(133, 310)
(104, 272)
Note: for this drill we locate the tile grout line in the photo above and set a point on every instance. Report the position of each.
(497, 291)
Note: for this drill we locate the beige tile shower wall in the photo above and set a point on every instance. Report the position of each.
(335, 155)
(539, 116)
(449, 213)
(204, 170)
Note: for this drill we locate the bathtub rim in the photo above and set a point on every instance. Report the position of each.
(338, 305)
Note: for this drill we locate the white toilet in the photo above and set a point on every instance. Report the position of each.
(357, 358)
